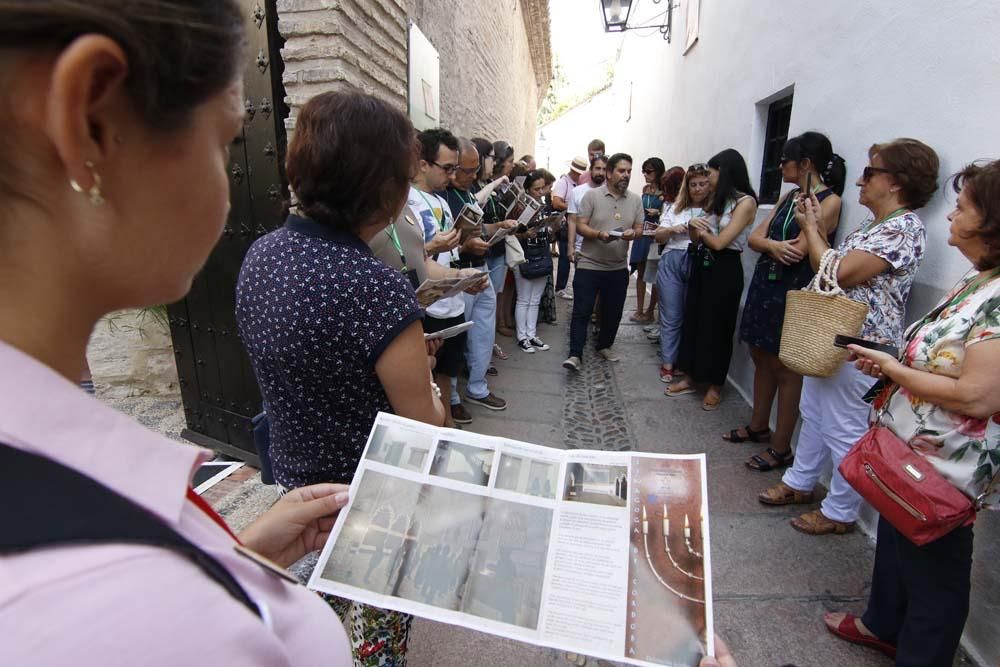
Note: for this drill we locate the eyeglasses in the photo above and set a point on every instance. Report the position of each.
(649, 171)
(447, 168)
(468, 171)
(868, 172)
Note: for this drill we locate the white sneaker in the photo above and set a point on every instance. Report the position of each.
(525, 345)
(538, 344)
(572, 364)
(609, 354)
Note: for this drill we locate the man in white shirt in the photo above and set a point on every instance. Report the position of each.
(596, 175)
(438, 160)
(562, 191)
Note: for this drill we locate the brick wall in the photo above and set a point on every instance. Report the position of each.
(495, 57)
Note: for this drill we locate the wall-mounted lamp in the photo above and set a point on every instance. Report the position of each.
(616, 15)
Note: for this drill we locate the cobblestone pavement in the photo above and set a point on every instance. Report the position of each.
(771, 584)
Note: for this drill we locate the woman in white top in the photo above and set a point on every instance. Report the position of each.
(674, 264)
(716, 283)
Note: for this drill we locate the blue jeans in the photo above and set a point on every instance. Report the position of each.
(562, 272)
(498, 271)
(481, 310)
(612, 286)
(671, 284)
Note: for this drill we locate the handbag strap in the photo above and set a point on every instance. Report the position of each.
(45, 504)
(825, 281)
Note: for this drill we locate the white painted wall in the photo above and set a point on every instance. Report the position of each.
(566, 137)
(863, 71)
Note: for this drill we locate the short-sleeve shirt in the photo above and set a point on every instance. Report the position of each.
(563, 188)
(316, 310)
(900, 241)
(965, 450)
(133, 604)
(606, 213)
(410, 234)
(435, 216)
(672, 218)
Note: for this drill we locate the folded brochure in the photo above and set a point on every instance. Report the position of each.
(431, 291)
(601, 553)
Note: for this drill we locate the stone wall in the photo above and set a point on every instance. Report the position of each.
(495, 57)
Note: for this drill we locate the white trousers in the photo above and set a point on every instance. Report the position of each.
(833, 418)
(529, 296)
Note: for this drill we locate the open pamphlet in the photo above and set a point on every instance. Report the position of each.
(435, 290)
(469, 222)
(600, 553)
(450, 332)
(500, 235)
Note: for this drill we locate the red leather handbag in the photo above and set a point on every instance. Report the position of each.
(905, 488)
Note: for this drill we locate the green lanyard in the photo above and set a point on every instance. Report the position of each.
(394, 237)
(462, 194)
(440, 220)
(791, 211)
(875, 223)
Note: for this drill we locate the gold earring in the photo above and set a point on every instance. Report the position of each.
(95, 190)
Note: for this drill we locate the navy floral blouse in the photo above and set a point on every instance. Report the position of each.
(315, 311)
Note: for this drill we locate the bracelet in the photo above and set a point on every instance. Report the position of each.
(436, 389)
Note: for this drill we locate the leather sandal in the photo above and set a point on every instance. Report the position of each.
(711, 401)
(816, 523)
(752, 436)
(782, 494)
(760, 464)
(847, 630)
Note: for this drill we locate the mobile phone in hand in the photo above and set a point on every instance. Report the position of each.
(844, 341)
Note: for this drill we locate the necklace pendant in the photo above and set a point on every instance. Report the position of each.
(618, 216)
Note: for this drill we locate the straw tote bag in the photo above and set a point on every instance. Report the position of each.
(813, 317)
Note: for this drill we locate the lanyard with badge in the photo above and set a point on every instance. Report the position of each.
(411, 274)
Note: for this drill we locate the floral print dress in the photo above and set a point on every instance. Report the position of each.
(965, 450)
(900, 241)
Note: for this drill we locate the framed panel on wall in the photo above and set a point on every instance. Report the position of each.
(691, 24)
(424, 81)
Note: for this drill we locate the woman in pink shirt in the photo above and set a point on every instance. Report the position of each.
(118, 119)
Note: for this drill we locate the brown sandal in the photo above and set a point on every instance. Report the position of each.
(782, 494)
(816, 523)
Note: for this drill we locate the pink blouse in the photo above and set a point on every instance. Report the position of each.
(136, 605)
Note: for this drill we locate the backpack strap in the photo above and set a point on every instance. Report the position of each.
(46, 504)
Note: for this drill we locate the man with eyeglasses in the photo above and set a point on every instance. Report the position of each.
(438, 161)
(480, 308)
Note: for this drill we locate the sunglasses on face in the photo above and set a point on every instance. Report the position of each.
(869, 172)
(447, 168)
(649, 171)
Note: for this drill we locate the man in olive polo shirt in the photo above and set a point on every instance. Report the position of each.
(609, 217)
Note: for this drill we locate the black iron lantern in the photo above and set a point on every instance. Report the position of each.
(616, 14)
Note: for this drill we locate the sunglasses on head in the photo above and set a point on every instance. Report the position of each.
(699, 167)
(868, 172)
